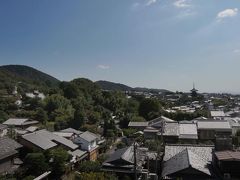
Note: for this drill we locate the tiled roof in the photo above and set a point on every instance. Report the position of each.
(183, 160)
(171, 129)
(217, 113)
(71, 130)
(188, 131)
(202, 151)
(19, 122)
(215, 125)
(46, 140)
(8, 147)
(228, 155)
(138, 124)
(88, 136)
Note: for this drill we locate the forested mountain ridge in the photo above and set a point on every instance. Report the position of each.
(107, 85)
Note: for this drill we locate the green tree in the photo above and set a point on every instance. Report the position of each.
(59, 158)
(147, 106)
(35, 163)
(41, 115)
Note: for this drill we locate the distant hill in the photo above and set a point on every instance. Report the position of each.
(107, 85)
(12, 74)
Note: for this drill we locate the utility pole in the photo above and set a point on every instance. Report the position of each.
(135, 160)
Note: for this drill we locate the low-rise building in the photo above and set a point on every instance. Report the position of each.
(3, 130)
(217, 115)
(228, 163)
(138, 125)
(20, 122)
(187, 162)
(88, 142)
(122, 161)
(9, 161)
(220, 132)
(44, 140)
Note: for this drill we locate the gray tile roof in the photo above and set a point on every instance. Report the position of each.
(137, 124)
(171, 129)
(71, 130)
(8, 147)
(217, 113)
(19, 122)
(2, 126)
(214, 125)
(78, 153)
(183, 160)
(188, 131)
(88, 136)
(202, 151)
(46, 140)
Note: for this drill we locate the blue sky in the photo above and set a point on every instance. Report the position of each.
(149, 43)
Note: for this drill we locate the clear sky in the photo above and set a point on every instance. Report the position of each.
(149, 43)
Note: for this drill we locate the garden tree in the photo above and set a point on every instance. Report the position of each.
(70, 90)
(35, 164)
(95, 176)
(89, 166)
(41, 115)
(59, 159)
(79, 119)
(33, 103)
(3, 116)
(148, 105)
(94, 118)
(124, 120)
(59, 108)
(132, 106)
(109, 129)
(137, 119)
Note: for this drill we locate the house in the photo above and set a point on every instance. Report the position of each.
(88, 142)
(188, 132)
(8, 155)
(217, 115)
(173, 132)
(155, 126)
(138, 125)
(170, 132)
(3, 130)
(228, 163)
(78, 155)
(220, 132)
(44, 140)
(122, 161)
(20, 122)
(187, 162)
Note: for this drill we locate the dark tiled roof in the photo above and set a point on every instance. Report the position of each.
(8, 147)
(228, 155)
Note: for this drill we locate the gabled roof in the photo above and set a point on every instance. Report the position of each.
(184, 160)
(202, 151)
(158, 121)
(126, 154)
(71, 130)
(138, 124)
(88, 136)
(8, 147)
(19, 122)
(46, 140)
